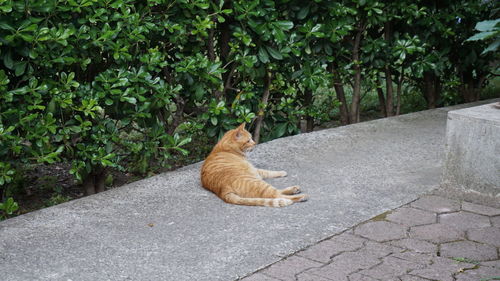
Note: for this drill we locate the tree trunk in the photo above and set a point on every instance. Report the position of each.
(431, 89)
(470, 89)
(225, 34)
(344, 110)
(356, 95)
(308, 99)
(224, 48)
(469, 93)
(339, 91)
(210, 44)
(100, 181)
(389, 104)
(399, 90)
(260, 116)
(95, 182)
(381, 97)
(356, 91)
(88, 185)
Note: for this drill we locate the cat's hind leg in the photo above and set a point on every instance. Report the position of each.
(291, 190)
(266, 174)
(233, 198)
(296, 198)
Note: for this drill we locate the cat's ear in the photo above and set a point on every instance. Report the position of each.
(242, 126)
(239, 130)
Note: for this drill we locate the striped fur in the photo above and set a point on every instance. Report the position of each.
(228, 174)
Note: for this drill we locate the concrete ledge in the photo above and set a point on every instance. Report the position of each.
(168, 227)
(472, 154)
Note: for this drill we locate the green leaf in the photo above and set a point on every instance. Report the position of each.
(131, 100)
(214, 121)
(182, 150)
(297, 73)
(7, 60)
(75, 129)
(263, 57)
(487, 25)
(302, 14)
(274, 53)
(6, 8)
(19, 68)
(31, 27)
(6, 26)
(106, 163)
(9, 206)
(280, 129)
(492, 47)
(482, 36)
(170, 140)
(184, 141)
(33, 54)
(286, 25)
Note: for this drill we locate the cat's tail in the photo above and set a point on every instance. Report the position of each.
(268, 202)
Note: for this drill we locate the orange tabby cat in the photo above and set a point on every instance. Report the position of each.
(228, 174)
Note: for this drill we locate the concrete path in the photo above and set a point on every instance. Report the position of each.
(168, 228)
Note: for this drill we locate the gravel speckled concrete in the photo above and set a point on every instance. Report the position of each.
(351, 173)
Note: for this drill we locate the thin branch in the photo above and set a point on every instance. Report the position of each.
(265, 97)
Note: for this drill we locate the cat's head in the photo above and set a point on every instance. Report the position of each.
(240, 139)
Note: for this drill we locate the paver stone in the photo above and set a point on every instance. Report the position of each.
(288, 268)
(442, 269)
(345, 264)
(469, 250)
(436, 204)
(480, 209)
(419, 246)
(304, 276)
(464, 220)
(488, 235)
(438, 233)
(391, 267)
(495, 221)
(411, 217)
(381, 231)
(324, 250)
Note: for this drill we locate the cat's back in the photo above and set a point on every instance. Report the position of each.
(224, 167)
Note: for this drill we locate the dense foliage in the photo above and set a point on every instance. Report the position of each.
(121, 84)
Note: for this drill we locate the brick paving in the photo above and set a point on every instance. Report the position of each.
(433, 238)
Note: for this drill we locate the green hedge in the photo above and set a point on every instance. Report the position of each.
(120, 84)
